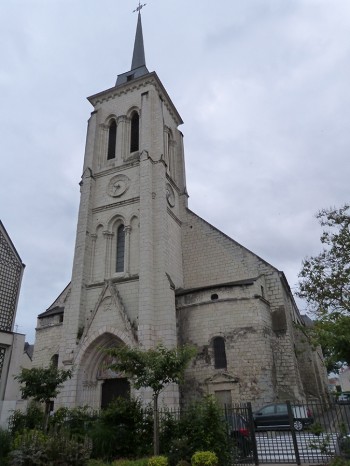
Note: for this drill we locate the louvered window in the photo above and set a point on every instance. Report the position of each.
(134, 135)
(112, 139)
(120, 249)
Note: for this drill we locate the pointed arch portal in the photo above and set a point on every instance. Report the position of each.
(99, 386)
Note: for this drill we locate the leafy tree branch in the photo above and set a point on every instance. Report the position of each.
(155, 368)
(42, 385)
(325, 285)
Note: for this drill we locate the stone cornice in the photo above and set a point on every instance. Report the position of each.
(110, 171)
(103, 208)
(246, 282)
(205, 303)
(120, 280)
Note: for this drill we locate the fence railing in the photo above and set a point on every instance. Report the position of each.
(288, 432)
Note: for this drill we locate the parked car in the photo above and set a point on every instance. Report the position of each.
(239, 431)
(343, 399)
(275, 416)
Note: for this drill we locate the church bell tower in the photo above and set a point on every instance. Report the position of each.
(128, 259)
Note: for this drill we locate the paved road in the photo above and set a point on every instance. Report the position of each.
(277, 446)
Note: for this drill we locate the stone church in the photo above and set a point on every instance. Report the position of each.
(147, 270)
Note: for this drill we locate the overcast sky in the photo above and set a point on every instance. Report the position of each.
(262, 87)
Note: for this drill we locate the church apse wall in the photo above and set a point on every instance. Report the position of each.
(241, 318)
(263, 310)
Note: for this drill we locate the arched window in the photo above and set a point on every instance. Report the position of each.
(134, 134)
(54, 360)
(220, 361)
(120, 249)
(112, 139)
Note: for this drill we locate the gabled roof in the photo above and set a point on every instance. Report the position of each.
(8, 239)
(233, 240)
(57, 306)
(52, 312)
(29, 349)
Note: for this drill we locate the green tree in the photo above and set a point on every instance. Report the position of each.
(42, 385)
(325, 285)
(155, 368)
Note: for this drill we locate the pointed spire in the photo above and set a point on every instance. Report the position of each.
(138, 58)
(138, 64)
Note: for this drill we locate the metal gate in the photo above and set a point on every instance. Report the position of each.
(297, 439)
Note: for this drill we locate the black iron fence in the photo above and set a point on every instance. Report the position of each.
(287, 432)
(278, 433)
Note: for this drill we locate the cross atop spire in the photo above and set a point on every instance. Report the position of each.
(139, 8)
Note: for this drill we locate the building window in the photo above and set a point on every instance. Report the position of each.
(120, 249)
(54, 360)
(262, 292)
(219, 353)
(112, 139)
(134, 135)
(2, 358)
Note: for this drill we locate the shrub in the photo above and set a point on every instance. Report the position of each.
(139, 462)
(338, 461)
(102, 437)
(67, 450)
(316, 429)
(168, 430)
(32, 418)
(204, 458)
(180, 449)
(94, 462)
(5, 445)
(78, 421)
(29, 448)
(118, 426)
(344, 446)
(201, 428)
(183, 463)
(33, 447)
(158, 461)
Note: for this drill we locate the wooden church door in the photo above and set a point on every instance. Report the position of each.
(114, 388)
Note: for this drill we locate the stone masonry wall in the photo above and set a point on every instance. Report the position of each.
(47, 343)
(211, 257)
(243, 320)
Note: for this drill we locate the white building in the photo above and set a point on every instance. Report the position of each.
(13, 353)
(147, 269)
